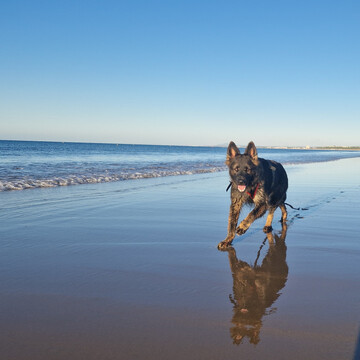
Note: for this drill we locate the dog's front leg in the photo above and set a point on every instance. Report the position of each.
(258, 211)
(234, 213)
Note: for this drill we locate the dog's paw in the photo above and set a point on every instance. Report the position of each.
(267, 229)
(224, 245)
(240, 230)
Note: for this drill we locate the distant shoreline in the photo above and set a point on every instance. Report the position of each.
(343, 148)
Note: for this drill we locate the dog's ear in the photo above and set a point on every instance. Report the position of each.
(232, 151)
(252, 152)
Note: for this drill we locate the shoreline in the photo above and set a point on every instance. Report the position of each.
(60, 182)
(131, 269)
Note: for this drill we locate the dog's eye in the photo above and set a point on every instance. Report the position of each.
(247, 170)
(237, 169)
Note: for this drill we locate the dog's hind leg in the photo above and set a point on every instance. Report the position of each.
(268, 228)
(284, 213)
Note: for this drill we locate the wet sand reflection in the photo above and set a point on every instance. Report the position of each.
(256, 288)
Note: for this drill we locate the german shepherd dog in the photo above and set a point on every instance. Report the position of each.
(253, 181)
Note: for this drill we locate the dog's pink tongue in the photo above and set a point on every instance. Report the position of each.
(241, 188)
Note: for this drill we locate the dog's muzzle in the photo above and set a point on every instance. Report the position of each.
(241, 184)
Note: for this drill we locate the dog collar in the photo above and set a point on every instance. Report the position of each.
(252, 195)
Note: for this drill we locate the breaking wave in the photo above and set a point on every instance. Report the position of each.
(23, 184)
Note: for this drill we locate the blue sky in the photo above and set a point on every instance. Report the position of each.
(181, 72)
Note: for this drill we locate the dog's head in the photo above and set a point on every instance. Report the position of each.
(243, 168)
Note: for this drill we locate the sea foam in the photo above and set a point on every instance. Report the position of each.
(78, 180)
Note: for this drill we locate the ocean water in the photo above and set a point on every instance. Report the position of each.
(31, 164)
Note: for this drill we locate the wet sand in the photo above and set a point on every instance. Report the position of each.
(130, 270)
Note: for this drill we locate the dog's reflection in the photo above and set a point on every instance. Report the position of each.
(257, 287)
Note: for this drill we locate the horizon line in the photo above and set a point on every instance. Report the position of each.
(304, 147)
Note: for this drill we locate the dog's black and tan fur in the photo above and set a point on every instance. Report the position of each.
(256, 181)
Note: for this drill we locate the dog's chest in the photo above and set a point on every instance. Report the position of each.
(259, 197)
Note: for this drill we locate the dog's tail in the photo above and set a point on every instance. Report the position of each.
(294, 208)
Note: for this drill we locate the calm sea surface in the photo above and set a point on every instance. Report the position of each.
(31, 164)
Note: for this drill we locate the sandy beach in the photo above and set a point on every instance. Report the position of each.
(130, 270)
